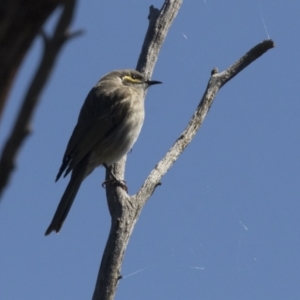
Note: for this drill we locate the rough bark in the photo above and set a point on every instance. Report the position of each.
(124, 212)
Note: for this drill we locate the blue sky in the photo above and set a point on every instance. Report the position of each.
(225, 222)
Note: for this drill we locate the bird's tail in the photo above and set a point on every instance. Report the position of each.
(66, 201)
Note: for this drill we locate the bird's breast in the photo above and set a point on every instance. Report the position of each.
(122, 138)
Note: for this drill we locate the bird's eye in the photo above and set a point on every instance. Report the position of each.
(133, 76)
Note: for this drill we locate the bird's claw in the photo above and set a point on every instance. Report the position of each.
(121, 183)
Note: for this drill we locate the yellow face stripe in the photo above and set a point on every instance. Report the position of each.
(133, 80)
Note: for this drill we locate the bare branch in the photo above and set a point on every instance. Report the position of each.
(159, 24)
(21, 128)
(216, 81)
(124, 211)
(20, 23)
(246, 60)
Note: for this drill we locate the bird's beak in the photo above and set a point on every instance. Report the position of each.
(152, 82)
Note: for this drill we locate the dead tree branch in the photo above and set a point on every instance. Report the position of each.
(21, 127)
(126, 209)
(124, 212)
(20, 23)
(217, 80)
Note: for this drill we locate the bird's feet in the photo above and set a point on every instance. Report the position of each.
(114, 180)
(121, 183)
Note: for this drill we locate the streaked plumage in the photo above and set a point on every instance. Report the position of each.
(108, 125)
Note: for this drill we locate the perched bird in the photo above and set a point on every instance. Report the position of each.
(108, 125)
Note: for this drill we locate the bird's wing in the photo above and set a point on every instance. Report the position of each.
(99, 117)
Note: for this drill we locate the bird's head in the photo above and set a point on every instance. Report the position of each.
(135, 78)
(130, 78)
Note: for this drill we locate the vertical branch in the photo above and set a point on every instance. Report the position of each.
(124, 211)
(160, 22)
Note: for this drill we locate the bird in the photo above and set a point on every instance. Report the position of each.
(108, 125)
